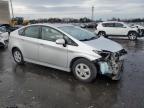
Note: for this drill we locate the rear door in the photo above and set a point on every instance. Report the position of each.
(29, 42)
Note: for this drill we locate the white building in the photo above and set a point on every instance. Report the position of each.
(4, 12)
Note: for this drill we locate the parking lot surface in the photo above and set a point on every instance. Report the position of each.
(34, 86)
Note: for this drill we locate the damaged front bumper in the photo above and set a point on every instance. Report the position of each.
(111, 64)
(112, 71)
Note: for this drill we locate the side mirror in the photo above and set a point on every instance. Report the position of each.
(60, 41)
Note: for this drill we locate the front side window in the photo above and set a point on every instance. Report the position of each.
(33, 32)
(119, 25)
(51, 34)
(70, 41)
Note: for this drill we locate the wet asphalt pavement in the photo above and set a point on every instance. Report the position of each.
(34, 86)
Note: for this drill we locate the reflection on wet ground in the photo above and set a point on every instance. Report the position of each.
(34, 86)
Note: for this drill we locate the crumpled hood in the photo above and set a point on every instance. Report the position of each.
(104, 44)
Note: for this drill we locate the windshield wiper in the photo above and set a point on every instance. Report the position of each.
(88, 39)
(84, 40)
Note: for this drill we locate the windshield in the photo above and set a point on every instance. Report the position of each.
(79, 33)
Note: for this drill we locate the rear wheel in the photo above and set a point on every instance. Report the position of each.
(84, 70)
(102, 33)
(132, 36)
(18, 57)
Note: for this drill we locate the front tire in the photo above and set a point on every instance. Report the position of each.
(18, 57)
(84, 70)
(132, 36)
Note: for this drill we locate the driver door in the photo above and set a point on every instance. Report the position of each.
(50, 52)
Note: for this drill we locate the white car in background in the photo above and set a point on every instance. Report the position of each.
(4, 36)
(67, 48)
(140, 29)
(114, 28)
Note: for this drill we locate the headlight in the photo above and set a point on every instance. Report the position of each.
(97, 52)
(104, 54)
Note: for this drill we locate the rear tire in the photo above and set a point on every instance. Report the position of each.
(102, 33)
(84, 70)
(132, 36)
(18, 57)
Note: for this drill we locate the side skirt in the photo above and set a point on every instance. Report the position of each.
(47, 65)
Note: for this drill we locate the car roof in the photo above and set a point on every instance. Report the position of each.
(54, 25)
(112, 22)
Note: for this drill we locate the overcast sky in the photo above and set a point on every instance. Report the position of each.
(78, 8)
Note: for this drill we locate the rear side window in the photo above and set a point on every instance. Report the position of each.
(32, 31)
(108, 24)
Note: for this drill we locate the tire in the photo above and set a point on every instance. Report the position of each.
(18, 57)
(132, 36)
(84, 70)
(102, 33)
(2, 46)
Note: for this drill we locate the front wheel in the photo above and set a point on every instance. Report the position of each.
(18, 57)
(132, 36)
(84, 70)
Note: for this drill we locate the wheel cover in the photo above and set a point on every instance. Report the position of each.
(83, 71)
(17, 56)
(132, 36)
(101, 34)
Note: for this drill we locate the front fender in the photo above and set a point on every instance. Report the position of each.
(89, 57)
